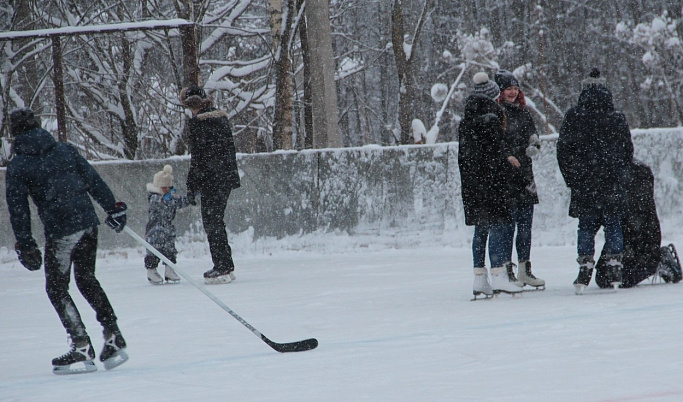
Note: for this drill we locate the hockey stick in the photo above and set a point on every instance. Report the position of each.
(299, 346)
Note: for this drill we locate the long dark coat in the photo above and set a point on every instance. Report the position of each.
(594, 152)
(59, 181)
(519, 127)
(482, 158)
(213, 162)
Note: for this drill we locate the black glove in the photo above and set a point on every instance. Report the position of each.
(29, 256)
(192, 197)
(117, 217)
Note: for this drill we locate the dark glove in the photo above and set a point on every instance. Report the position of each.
(192, 197)
(117, 217)
(29, 256)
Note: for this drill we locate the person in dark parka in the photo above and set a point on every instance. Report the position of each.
(213, 174)
(524, 143)
(594, 151)
(644, 256)
(60, 182)
(485, 163)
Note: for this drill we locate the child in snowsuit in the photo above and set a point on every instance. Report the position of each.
(160, 232)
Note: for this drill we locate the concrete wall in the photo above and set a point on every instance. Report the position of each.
(391, 191)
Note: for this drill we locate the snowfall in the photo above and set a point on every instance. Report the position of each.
(392, 314)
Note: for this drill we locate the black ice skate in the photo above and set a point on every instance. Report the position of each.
(78, 360)
(217, 276)
(670, 266)
(612, 270)
(586, 265)
(114, 351)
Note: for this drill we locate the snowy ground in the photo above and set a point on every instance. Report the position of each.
(393, 325)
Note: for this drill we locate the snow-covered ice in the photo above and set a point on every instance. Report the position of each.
(393, 325)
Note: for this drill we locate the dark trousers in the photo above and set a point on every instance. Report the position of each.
(79, 249)
(213, 213)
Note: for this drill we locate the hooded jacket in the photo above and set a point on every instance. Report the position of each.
(482, 158)
(59, 181)
(594, 151)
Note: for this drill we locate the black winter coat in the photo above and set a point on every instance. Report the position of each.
(594, 152)
(482, 158)
(60, 182)
(213, 164)
(519, 127)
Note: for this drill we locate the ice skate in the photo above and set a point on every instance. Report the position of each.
(153, 277)
(481, 284)
(502, 283)
(525, 276)
(612, 270)
(670, 266)
(78, 360)
(114, 351)
(586, 264)
(218, 276)
(171, 276)
(510, 267)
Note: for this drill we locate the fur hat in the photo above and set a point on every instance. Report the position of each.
(194, 97)
(22, 120)
(594, 80)
(484, 86)
(164, 178)
(505, 79)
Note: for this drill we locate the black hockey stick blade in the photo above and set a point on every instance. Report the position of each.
(300, 346)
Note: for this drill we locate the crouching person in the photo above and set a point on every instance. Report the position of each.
(60, 182)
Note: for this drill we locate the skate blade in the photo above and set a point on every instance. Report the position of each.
(75, 368)
(484, 296)
(118, 358)
(220, 280)
(155, 283)
(535, 288)
(172, 281)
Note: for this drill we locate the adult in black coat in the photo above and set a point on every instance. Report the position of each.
(213, 174)
(594, 151)
(60, 182)
(485, 164)
(523, 141)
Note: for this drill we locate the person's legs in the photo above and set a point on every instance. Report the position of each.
(83, 257)
(523, 217)
(501, 281)
(588, 228)
(479, 239)
(57, 276)
(213, 212)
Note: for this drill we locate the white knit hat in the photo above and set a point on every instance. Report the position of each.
(164, 178)
(484, 86)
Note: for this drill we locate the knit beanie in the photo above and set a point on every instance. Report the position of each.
(594, 80)
(194, 97)
(164, 178)
(22, 120)
(484, 86)
(505, 79)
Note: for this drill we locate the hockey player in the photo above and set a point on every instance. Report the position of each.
(60, 182)
(160, 231)
(213, 174)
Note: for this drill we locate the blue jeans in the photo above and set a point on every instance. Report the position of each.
(496, 236)
(588, 228)
(522, 218)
